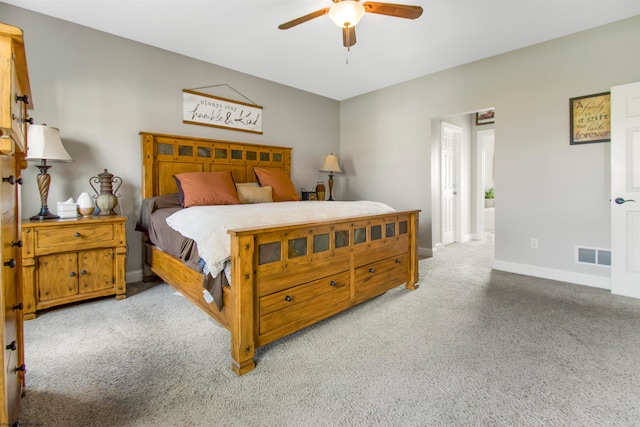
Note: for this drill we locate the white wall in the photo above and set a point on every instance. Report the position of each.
(547, 189)
(101, 90)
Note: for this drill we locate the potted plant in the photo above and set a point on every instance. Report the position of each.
(489, 198)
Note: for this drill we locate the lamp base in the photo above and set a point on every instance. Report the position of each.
(331, 186)
(43, 214)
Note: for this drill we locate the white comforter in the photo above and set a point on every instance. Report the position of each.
(208, 225)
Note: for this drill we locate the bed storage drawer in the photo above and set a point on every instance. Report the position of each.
(305, 303)
(378, 277)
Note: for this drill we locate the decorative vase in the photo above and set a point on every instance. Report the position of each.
(85, 204)
(320, 190)
(106, 198)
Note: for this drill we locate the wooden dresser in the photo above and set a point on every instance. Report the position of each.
(69, 260)
(15, 97)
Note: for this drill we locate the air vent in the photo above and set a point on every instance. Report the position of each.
(593, 256)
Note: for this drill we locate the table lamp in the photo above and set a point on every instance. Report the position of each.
(331, 165)
(44, 144)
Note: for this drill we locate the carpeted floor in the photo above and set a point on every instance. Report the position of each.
(471, 347)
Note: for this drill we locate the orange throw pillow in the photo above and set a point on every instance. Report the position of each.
(206, 188)
(283, 189)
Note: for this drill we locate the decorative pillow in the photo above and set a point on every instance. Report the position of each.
(283, 189)
(206, 188)
(254, 193)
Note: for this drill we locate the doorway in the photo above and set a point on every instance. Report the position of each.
(485, 214)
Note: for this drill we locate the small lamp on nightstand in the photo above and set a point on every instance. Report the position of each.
(331, 165)
(45, 145)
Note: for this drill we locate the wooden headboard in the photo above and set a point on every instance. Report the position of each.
(166, 155)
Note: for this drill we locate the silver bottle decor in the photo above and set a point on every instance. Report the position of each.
(107, 197)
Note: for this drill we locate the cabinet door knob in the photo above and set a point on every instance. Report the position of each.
(372, 270)
(18, 244)
(10, 179)
(83, 272)
(17, 307)
(21, 368)
(397, 261)
(11, 263)
(333, 283)
(23, 98)
(76, 234)
(13, 346)
(29, 120)
(288, 298)
(72, 274)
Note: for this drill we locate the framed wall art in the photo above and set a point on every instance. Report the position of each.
(208, 110)
(485, 117)
(590, 118)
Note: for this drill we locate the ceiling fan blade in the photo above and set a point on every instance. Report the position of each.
(303, 19)
(397, 10)
(349, 36)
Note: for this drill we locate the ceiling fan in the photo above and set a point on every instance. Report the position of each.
(347, 13)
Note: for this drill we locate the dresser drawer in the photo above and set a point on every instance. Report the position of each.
(300, 304)
(72, 238)
(378, 277)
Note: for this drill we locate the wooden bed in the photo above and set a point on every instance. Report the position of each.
(274, 290)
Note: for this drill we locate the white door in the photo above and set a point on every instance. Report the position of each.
(625, 189)
(448, 182)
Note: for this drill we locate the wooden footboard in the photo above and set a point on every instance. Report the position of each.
(288, 277)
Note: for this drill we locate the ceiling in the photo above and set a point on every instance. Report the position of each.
(242, 35)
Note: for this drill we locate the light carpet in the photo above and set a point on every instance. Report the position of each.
(471, 347)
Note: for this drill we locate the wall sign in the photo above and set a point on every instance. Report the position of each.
(590, 118)
(485, 117)
(207, 110)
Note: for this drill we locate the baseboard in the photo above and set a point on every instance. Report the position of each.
(553, 274)
(133, 276)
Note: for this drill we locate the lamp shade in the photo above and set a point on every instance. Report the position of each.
(44, 144)
(346, 13)
(331, 164)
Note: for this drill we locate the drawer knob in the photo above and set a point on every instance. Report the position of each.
(72, 274)
(372, 270)
(21, 368)
(76, 234)
(13, 346)
(397, 261)
(18, 244)
(23, 98)
(288, 298)
(333, 283)
(17, 307)
(11, 263)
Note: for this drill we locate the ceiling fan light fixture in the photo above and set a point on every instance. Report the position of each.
(346, 13)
